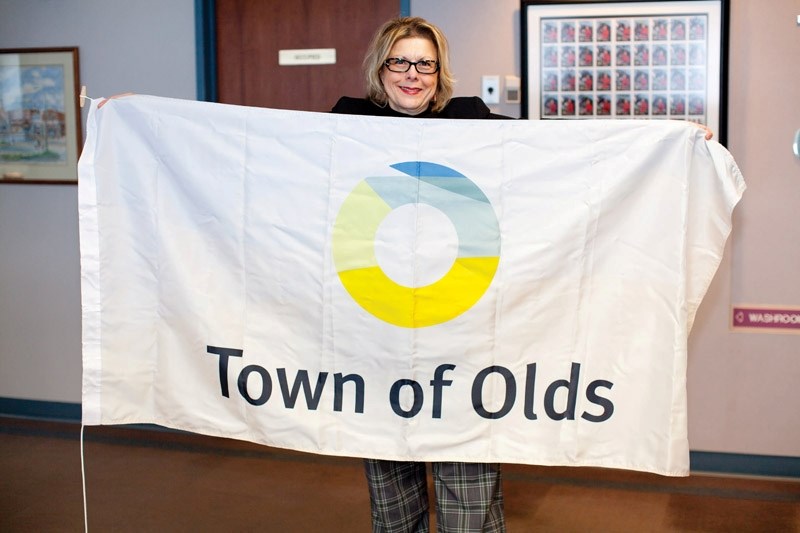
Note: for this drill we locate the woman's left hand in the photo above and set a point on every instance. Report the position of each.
(708, 131)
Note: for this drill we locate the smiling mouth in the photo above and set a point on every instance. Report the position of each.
(410, 90)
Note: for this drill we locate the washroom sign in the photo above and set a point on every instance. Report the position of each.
(765, 318)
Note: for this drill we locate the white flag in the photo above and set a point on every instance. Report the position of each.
(483, 291)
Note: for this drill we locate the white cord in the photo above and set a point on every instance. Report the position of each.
(83, 480)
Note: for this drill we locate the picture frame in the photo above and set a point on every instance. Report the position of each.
(40, 121)
(626, 59)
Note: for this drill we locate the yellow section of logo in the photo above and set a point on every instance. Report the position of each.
(417, 307)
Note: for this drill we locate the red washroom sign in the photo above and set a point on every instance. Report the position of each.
(766, 318)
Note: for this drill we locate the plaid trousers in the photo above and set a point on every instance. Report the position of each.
(469, 497)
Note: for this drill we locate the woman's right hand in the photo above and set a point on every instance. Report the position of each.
(101, 104)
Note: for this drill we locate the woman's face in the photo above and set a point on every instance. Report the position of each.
(410, 92)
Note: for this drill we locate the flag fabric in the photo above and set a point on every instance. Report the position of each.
(407, 289)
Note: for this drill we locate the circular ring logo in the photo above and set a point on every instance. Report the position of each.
(460, 288)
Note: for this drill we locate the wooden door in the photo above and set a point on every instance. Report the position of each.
(251, 32)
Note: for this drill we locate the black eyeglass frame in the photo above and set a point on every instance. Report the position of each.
(410, 64)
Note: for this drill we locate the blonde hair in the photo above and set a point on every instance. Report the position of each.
(382, 43)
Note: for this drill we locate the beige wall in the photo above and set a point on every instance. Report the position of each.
(744, 388)
(147, 46)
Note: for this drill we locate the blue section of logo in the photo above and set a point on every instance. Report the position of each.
(421, 169)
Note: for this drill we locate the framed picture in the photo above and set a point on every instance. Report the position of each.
(626, 60)
(40, 124)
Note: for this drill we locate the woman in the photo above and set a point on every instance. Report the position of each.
(408, 75)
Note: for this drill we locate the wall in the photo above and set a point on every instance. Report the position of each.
(146, 46)
(742, 387)
(484, 38)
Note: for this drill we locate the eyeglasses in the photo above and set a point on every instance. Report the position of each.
(423, 66)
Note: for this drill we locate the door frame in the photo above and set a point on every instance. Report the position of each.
(206, 46)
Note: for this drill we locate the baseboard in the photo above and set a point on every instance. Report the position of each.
(745, 464)
(701, 461)
(62, 411)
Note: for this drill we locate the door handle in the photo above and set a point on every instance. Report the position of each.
(796, 146)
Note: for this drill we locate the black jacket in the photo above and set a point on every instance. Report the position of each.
(460, 107)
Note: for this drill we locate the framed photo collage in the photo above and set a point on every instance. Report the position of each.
(623, 60)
